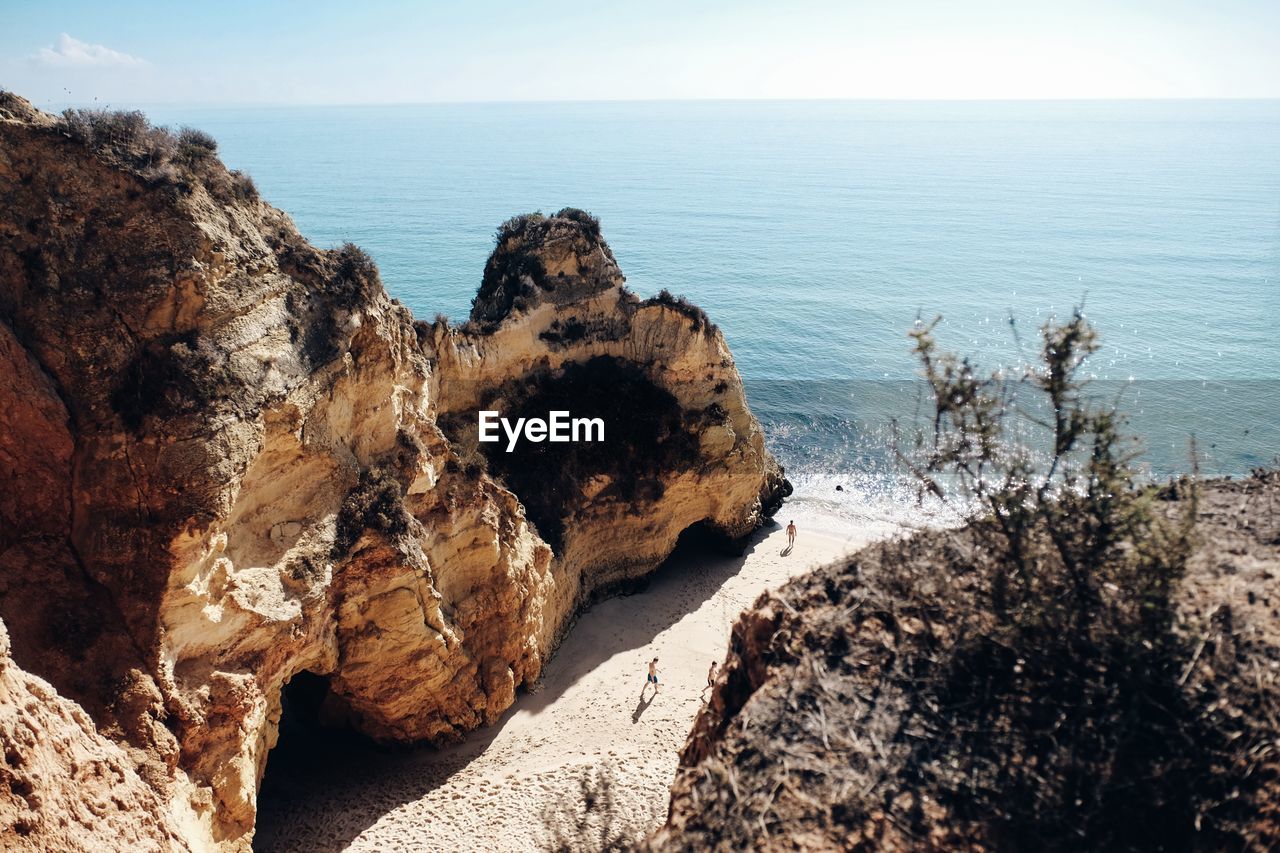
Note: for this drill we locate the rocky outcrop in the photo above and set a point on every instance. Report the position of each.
(834, 723)
(229, 458)
(562, 333)
(63, 786)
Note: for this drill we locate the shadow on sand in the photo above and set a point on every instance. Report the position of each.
(313, 772)
(643, 706)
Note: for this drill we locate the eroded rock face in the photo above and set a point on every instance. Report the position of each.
(224, 464)
(63, 786)
(572, 338)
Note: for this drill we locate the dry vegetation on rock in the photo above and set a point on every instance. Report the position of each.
(679, 303)
(536, 255)
(1091, 663)
(126, 139)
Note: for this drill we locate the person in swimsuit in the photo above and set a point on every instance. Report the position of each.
(711, 679)
(791, 533)
(653, 675)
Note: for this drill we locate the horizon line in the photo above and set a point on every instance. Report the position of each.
(745, 100)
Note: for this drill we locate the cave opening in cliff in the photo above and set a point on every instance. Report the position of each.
(647, 436)
(695, 544)
(300, 734)
(701, 536)
(309, 745)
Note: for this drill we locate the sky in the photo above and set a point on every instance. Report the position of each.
(379, 51)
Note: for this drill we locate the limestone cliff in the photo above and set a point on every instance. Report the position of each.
(562, 333)
(229, 458)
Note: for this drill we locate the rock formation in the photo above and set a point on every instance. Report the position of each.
(828, 727)
(229, 458)
(63, 786)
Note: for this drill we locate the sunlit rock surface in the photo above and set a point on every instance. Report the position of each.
(229, 457)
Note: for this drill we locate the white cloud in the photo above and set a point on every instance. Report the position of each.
(71, 52)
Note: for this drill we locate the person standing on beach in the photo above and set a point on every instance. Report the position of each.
(791, 533)
(653, 676)
(711, 679)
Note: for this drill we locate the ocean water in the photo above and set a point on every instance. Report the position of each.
(816, 233)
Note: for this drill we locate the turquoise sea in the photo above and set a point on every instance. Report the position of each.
(815, 233)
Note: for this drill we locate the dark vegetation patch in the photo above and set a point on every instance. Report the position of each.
(127, 140)
(241, 187)
(472, 463)
(685, 307)
(590, 224)
(355, 276)
(409, 450)
(353, 281)
(316, 317)
(712, 415)
(73, 625)
(305, 569)
(195, 146)
(1026, 682)
(645, 439)
(422, 330)
(170, 376)
(425, 331)
(567, 332)
(297, 258)
(320, 338)
(514, 273)
(376, 503)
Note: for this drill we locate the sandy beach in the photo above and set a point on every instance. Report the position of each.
(497, 790)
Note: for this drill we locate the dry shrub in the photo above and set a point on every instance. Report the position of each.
(127, 140)
(376, 503)
(1037, 679)
(685, 307)
(1074, 544)
(1059, 690)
